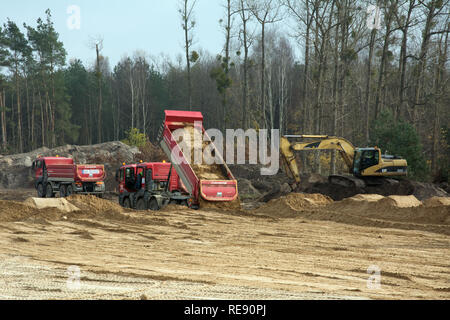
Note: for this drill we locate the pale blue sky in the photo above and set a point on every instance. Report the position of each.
(150, 25)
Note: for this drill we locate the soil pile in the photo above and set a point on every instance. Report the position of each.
(221, 205)
(203, 171)
(12, 211)
(368, 210)
(292, 204)
(399, 202)
(437, 202)
(15, 211)
(94, 205)
(57, 203)
(388, 187)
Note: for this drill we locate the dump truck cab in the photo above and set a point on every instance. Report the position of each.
(59, 175)
(150, 185)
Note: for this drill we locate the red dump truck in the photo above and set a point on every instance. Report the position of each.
(151, 185)
(200, 188)
(58, 175)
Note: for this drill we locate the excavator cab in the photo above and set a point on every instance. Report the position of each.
(365, 158)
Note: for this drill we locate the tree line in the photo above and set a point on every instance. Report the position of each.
(332, 67)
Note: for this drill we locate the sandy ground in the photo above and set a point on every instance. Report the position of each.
(318, 251)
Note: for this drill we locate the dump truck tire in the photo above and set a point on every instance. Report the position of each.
(69, 191)
(40, 190)
(62, 191)
(153, 205)
(49, 191)
(126, 203)
(140, 205)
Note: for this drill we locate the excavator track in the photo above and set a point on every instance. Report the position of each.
(346, 181)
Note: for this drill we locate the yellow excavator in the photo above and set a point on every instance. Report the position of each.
(367, 166)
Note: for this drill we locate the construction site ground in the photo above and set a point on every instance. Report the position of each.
(295, 247)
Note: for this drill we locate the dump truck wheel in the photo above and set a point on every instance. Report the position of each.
(140, 205)
(154, 206)
(62, 191)
(40, 190)
(49, 191)
(127, 203)
(69, 191)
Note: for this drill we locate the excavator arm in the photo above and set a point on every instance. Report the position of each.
(287, 148)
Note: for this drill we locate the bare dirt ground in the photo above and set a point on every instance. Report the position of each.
(297, 247)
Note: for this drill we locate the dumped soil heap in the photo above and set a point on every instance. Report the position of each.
(368, 210)
(57, 203)
(437, 202)
(404, 212)
(375, 203)
(203, 171)
(292, 204)
(399, 202)
(94, 205)
(12, 211)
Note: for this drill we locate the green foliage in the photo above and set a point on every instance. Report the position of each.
(401, 139)
(4, 54)
(45, 42)
(221, 75)
(135, 138)
(194, 56)
(444, 160)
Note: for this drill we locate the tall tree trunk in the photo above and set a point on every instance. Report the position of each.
(368, 84)
(263, 74)
(19, 112)
(381, 74)
(3, 119)
(306, 76)
(100, 96)
(422, 61)
(401, 106)
(439, 70)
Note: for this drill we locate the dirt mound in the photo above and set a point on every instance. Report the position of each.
(375, 202)
(203, 171)
(388, 187)
(11, 211)
(437, 202)
(174, 208)
(292, 204)
(94, 205)
(58, 203)
(221, 205)
(399, 202)
(367, 197)
(15, 211)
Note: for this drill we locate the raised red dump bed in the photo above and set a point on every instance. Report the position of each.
(209, 190)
